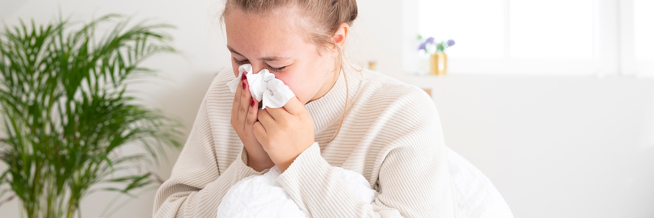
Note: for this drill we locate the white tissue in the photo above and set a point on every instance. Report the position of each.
(261, 196)
(264, 87)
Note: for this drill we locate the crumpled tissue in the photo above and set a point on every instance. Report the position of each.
(262, 196)
(264, 87)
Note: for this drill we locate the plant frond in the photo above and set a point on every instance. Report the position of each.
(65, 113)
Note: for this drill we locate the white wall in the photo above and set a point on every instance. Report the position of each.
(553, 146)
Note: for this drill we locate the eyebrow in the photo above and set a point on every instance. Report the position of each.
(271, 58)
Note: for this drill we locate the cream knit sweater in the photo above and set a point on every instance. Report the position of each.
(391, 134)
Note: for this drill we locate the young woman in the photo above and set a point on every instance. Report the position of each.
(363, 121)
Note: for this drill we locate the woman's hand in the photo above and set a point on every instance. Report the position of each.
(244, 114)
(284, 132)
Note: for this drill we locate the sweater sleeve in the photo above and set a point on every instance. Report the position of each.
(413, 182)
(196, 187)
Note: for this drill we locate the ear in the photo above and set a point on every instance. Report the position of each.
(340, 35)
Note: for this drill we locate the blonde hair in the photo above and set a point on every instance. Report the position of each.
(326, 18)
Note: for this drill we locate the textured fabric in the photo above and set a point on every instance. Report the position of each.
(391, 134)
(263, 197)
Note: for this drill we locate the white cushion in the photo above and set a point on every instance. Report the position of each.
(476, 196)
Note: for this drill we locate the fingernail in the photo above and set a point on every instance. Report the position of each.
(244, 77)
(252, 103)
(243, 85)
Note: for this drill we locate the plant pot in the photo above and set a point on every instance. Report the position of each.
(438, 64)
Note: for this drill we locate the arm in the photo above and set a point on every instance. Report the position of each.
(196, 186)
(414, 182)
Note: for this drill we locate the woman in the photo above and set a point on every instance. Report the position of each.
(386, 130)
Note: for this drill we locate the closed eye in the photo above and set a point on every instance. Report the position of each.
(241, 62)
(276, 69)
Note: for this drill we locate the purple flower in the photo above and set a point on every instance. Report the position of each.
(450, 42)
(429, 40)
(422, 46)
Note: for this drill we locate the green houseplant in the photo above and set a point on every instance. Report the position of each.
(65, 113)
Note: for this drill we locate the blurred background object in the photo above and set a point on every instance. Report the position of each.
(372, 65)
(436, 52)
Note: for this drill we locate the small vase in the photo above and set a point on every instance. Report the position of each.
(438, 64)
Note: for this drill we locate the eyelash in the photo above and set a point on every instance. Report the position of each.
(271, 68)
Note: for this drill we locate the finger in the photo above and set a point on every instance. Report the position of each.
(244, 105)
(294, 106)
(252, 113)
(266, 119)
(259, 131)
(237, 99)
(276, 113)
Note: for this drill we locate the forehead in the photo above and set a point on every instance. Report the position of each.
(275, 33)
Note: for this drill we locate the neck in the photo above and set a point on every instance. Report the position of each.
(327, 85)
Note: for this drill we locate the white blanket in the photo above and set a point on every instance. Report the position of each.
(261, 196)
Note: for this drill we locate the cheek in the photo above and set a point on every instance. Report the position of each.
(235, 69)
(301, 84)
(306, 81)
(292, 81)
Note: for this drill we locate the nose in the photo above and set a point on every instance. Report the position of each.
(257, 67)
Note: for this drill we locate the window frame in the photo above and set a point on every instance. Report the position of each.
(614, 30)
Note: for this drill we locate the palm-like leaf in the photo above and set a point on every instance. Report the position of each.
(65, 111)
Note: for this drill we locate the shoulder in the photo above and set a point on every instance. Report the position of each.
(393, 96)
(392, 109)
(218, 90)
(395, 115)
(220, 80)
(217, 100)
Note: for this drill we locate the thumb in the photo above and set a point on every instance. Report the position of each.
(294, 106)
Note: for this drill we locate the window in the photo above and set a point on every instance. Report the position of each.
(554, 37)
(643, 38)
(643, 30)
